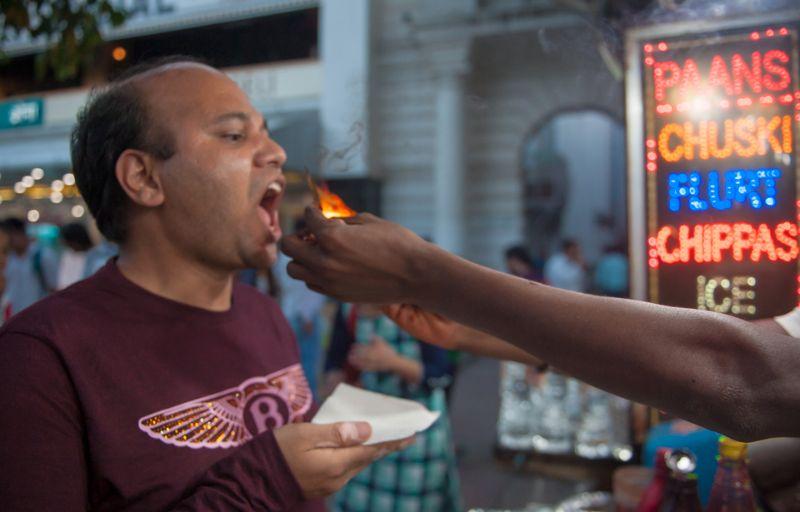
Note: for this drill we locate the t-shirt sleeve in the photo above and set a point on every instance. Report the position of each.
(254, 477)
(41, 449)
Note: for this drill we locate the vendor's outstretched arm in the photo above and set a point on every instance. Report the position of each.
(717, 371)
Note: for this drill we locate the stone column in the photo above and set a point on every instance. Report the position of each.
(345, 44)
(450, 66)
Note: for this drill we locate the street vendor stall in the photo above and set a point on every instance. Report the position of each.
(712, 117)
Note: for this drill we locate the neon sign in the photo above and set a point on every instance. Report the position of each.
(722, 113)
(753, 187)
(744, 137)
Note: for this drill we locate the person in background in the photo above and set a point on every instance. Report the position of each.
(262, 279)
(25, 283)
(98, 256)
(369, 350)
(566, 269)
(611, 272)
(303, 309)
(519, 263)
(65, 265)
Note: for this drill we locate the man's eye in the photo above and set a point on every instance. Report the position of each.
(233, 137)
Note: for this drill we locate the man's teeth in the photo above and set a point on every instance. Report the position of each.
(275, 187)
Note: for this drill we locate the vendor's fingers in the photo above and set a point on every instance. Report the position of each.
(297, 271)
(298, 249)
(316, 221)
(319, 289)
(361, 218)
(403, 314)
(391, 310)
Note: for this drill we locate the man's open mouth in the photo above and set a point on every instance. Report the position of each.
(268, 208)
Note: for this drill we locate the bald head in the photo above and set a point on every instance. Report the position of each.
(127, 114)
(164, 68)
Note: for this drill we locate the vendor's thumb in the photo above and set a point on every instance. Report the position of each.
(392, 310)
(315, 220)
(342, 434)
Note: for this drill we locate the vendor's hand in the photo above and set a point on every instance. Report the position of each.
(360, 259)
(438, 330)
(377, 356)
(323, 458)
(425, 325)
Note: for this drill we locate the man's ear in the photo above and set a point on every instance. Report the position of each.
(139, 178)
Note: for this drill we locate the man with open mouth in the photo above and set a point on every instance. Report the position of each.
(161, 383)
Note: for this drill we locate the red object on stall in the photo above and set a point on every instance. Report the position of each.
(681, 495)
(732, 490)
(654, 494)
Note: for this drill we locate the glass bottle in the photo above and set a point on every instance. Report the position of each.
(732, 490)
(654, 494)
(680, 494)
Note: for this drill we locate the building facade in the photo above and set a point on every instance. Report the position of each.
(268, 47)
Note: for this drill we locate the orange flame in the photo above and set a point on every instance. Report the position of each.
(332, 206)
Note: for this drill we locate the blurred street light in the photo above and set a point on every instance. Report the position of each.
(119, 53)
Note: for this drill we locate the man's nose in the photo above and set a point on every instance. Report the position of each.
(271, 154)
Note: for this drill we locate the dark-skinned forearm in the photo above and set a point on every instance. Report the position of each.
(717, 371)
(482, 344)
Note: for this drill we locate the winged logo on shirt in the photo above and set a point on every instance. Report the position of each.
(232, 417)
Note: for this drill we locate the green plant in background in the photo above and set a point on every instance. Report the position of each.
(71, 29)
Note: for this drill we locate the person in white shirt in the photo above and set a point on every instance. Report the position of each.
(565, 269)
(23, 283)
(66, 264)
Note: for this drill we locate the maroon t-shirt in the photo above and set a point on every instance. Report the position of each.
(114, 398)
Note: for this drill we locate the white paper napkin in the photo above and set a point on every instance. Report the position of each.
(391, 418)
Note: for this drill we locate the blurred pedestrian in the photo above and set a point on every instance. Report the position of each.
(262, 279)
(66, 264)
(369, 350)
(99, 255)
(566, 269)
(611, 272)
(24, 274)
(519, 263)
